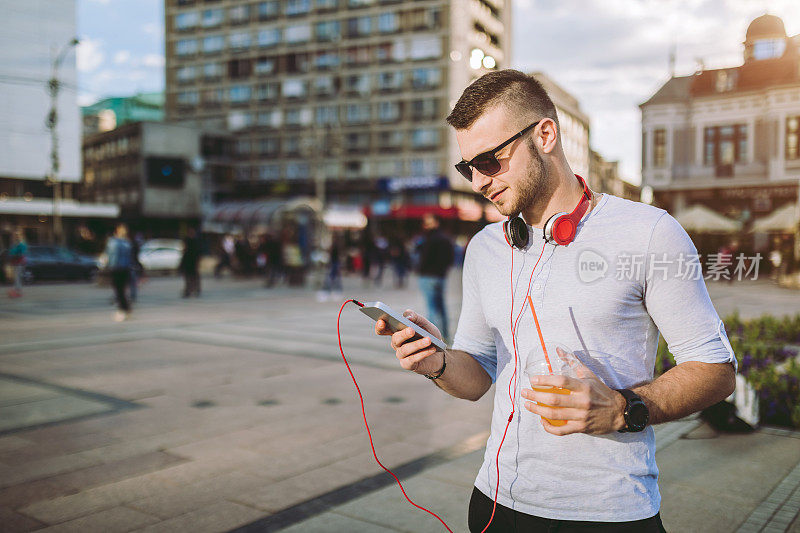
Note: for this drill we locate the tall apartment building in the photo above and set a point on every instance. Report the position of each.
(37, 45)
(728, 138)
(349, 92)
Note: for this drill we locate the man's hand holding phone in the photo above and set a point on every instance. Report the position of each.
(420, 355)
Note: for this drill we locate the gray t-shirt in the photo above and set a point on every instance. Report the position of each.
(631, 272)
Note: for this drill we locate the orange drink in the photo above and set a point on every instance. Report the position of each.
(552, 390)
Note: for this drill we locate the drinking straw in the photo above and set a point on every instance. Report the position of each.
(539, 330)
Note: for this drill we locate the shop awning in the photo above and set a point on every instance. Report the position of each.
(782, 220)
(340, 217)
(699, 218)
(248, 214)
(66, 208)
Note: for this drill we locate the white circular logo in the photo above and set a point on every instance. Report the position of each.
(591, 266)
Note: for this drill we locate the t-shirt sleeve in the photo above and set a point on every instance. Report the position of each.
(473, 335)
(677, 299)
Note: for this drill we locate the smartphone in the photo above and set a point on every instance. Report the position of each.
(396, 321)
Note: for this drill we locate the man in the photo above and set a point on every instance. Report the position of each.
(435, 253)
(120, 259)
(190, 264)
(606, 296)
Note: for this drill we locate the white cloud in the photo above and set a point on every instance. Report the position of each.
(151, 28)
(90, 54)
(122, 57)
(153, 60)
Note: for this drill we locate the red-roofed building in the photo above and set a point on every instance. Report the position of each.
(728, 138)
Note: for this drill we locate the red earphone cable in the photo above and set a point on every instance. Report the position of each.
(513, 379)
(364, 414)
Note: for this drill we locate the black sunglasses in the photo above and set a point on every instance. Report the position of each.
(487, 163)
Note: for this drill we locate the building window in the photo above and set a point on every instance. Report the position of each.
(390, 140)
(213, 18)
(239, 14)
(357, 142)
(299, 33)
(357, 56)
(388, 22)
(270, 119)
(188, 98)
(325, 5)
(425, 48)
(297, 7)
(388, 111)
(769, 48)
(212, 97)
(390, 168)
(357, 85)
(327, 114)
(295, 89)
(660, 148)
(268, 10)
(243, 147)
(267, 38)
(186, 21)
(423, 109)
(358, 27)
(426, 78)
(264, 66)
(297, 170)
(725, 145)
(327, 60)
(359, 3)
(424, 167)
(424, 138)
(357, 113)
(267, 91)
(212, 70)
(239, 93)
(213, 44)
(390, 81)
(186, 74)
(269, 172)
(792, 134)
(324, 85)
(240, 41)
(328, 31)
(186, 47)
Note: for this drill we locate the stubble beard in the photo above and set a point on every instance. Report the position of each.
(534, 188)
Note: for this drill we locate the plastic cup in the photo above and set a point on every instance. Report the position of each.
(538, 366)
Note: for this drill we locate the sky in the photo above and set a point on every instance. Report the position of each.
(612, 55)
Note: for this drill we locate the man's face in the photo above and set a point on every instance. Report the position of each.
(522, 177)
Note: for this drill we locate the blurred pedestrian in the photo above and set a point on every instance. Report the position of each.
(367, 249)
(190, 264)
(120, 259)
(381, 256)
(227, 248)
(17, 258)
(400, 261)
(435, 257)
(333, 279)
(136, 267)
(272, 247)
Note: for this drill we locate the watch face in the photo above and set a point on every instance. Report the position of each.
(637, 416)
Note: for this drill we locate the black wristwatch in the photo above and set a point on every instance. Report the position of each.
(636, 413)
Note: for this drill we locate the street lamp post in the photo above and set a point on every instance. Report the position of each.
(53, 85)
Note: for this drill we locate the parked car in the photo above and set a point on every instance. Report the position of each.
(56, 262)
(161, 254)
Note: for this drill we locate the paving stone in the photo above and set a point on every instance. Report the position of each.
(190, 497)
(30, 492)
(13, 521)
(116, 520)
(327, 522)
(221, 516)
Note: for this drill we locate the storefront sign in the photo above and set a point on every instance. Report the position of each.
(392, 185)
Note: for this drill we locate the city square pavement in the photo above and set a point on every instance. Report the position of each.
(234, 411)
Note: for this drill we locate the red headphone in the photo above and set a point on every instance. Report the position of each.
(559, 228)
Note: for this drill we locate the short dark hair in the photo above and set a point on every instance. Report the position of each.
(516, 90)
